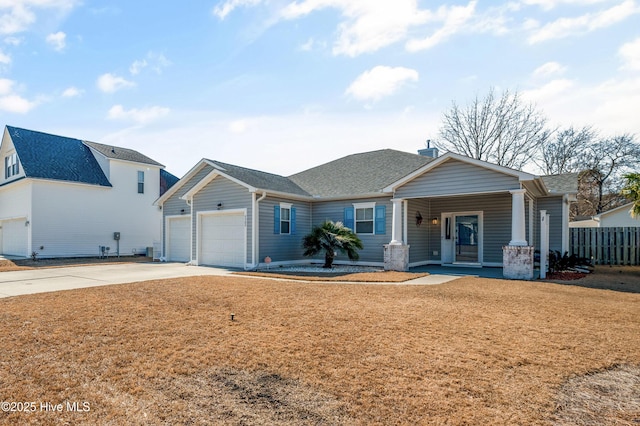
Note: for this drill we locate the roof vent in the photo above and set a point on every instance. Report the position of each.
(113, 151)
(429, 151)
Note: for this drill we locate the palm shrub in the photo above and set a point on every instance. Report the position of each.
(331, 237)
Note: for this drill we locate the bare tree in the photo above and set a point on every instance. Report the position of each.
(562, 153)
(503, 130)
(605, 162)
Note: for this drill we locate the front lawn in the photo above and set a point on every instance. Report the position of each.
(472, 351)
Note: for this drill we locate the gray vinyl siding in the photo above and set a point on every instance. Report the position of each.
(373, 250)
(553, 206)
(496, 211)
(418, 235)
(456, 177)
(282, 247)
(173, 205)
(232, 196)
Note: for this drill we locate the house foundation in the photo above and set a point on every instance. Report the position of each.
(396, 257)
(517, 262)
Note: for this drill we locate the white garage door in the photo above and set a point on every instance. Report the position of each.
(179, 239)
(222, 240)
(14, 237)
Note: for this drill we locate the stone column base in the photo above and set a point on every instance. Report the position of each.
(517, 262)
(396, 257)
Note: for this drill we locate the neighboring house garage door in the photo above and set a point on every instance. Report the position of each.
(14, 237)
(179, 239)
(222, 239)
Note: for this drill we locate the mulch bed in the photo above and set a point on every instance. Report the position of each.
(373, 277)
(565, 276)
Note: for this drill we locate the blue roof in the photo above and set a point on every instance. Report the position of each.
(48, 156)
(167, 180)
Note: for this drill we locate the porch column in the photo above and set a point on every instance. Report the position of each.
(517, 218)
(396, 224)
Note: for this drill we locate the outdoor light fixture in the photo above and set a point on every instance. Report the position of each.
(232, 316)
(219, 206)
(434, 221)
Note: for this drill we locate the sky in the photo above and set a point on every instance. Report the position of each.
(282, 86)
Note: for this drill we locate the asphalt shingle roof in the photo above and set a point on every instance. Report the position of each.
(566, 183)
(261, 180)
(48, 156)
(359, 174)
(125, 154)
(167, 180)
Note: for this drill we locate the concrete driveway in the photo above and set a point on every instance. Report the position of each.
(43, 280)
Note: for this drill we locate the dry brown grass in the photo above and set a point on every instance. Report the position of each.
(23, 264)
(472, 351)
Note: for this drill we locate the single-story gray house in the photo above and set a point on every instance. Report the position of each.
(447, 210)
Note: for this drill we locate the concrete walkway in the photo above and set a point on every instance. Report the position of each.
(41, 280)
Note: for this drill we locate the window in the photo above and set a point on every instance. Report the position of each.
(364, 220)
(11, 165)
(140, 182)
(284, 219)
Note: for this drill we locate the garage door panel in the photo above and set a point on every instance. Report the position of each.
(222, 240)
(179, 239)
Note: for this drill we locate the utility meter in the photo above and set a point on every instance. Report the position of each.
(116, 236)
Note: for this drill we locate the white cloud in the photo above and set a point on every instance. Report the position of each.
(13, 41)
(12, 102)
(57, 40)
(566, 27)
(550, 4)
(223, 9)
(307, 46)
(630, 53)
(4, 58)
(110, 83)
(137, 66)
(380, 81)
(17, 19)
(454, 19)
(368, 25)
(139, 116)
(548, 91)
(72, 92)
(239, 126)
(19, 15)
(155, 61)
(610, 106)
(549, 69)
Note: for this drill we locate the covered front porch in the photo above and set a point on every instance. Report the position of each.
(462, 230)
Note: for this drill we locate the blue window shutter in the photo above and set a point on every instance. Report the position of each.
(348, 218)
(276, 219)
(293, 220)
(381, 219)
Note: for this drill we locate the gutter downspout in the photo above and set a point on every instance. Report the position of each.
(189, 201)
(255, 217)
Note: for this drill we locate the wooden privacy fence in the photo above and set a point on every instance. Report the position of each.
(606, 246)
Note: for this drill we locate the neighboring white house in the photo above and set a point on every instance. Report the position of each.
(618, 217)
(63, 197)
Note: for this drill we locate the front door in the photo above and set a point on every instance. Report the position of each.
(466, 250)
(461, 238)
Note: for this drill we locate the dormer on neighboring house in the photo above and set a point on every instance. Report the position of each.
(61, 196)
